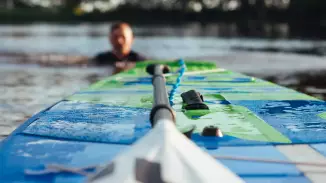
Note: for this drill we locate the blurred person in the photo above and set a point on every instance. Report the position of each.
(121, 57)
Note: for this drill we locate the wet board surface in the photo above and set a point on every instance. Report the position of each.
(92, 126)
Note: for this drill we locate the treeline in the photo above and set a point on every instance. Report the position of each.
(308, 11)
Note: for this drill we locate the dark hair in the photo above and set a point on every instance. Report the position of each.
(118, 25)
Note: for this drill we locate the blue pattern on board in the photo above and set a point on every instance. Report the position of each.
(33, 152)
(37, 151)
(256, 172)
(92, 122)
(233, 80)
(145, 81)
(321, 148)
(204, 90)
(296, 119)
(196, 78)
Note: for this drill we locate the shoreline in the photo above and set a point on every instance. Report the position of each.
(313, 31)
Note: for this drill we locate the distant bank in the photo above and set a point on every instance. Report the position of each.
(249, 24)
(159, 15)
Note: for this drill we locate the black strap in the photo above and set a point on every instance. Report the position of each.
(194, 100)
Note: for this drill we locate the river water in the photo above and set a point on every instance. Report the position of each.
(26, 89)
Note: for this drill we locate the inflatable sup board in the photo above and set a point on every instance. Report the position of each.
(172, 121)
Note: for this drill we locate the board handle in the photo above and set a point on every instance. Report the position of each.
(193, 100)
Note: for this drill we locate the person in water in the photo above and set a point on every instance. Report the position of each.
(121, 57)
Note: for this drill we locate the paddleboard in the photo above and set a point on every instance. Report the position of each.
(270, 133)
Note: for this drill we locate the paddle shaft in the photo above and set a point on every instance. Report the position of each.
(160, 92)
(161, 106)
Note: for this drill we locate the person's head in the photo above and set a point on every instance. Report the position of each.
(121, 37)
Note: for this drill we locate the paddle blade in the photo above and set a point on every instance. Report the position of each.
(164, 155)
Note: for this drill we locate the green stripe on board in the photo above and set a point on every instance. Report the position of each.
(259, 96)
(233, 120)
(140, 67)
(322, 115)
(229, 84)
(140, 71)
(116, 99)
(264, 96)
